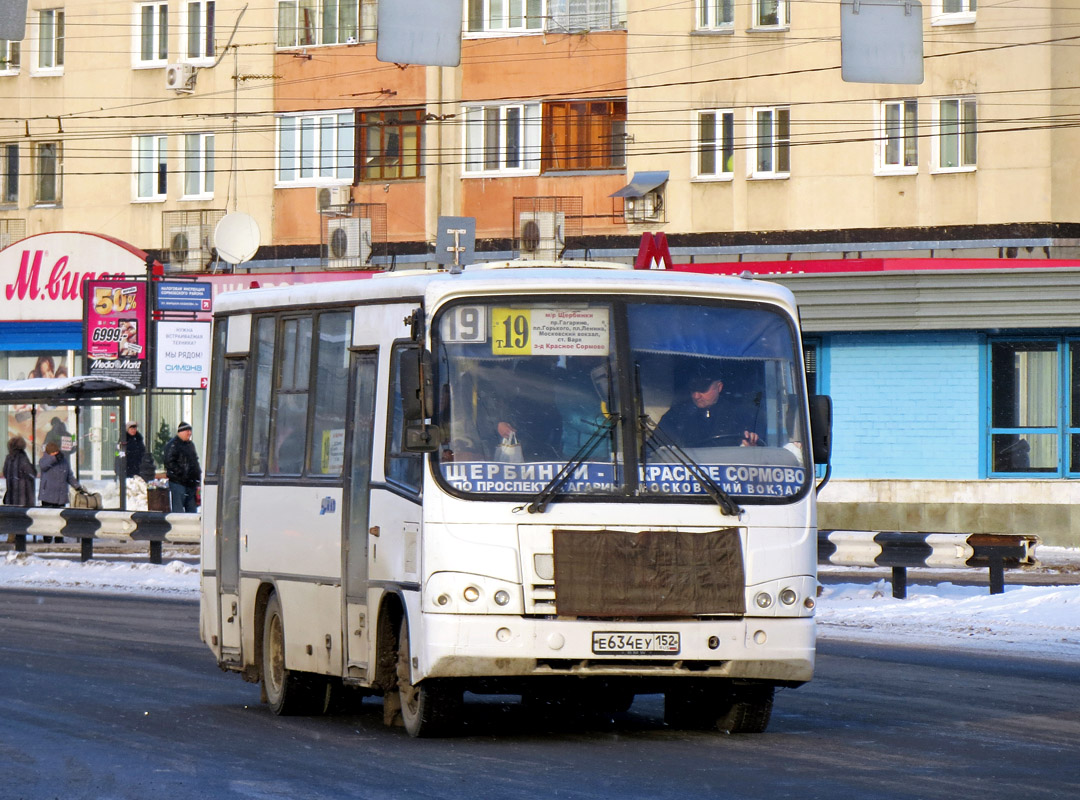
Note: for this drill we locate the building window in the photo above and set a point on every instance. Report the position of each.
(502, 139)
(956, 135)
(583, 135)
(197, 30)
(505, 16)
(151, 167)
(771, 13)
(48, 173)
(9, 57)
(770, 155)
(304, 23)
(584, 15)
(953, 12)
(714, 150)
(390, 144)
(713, 15)
(898, 147)
(152, 34)
(1035, 407)
(315, 149)
(198, 165)
(50, 40)
(9, 173)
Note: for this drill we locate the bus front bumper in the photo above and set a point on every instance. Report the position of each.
(753, 648)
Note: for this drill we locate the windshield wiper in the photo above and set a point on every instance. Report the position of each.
(656, 438)
(540, 502)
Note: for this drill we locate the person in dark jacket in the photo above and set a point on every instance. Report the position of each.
(134, 448)
(61, 436)
(56, 476)
(183, 470)
(19, 474)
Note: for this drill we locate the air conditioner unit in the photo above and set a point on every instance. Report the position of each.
(179, 77)
(186, 248)
(348, 242)
(541, 233)
(329, 199)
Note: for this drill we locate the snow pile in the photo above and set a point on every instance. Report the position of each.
(1034, 620)
(172, 579)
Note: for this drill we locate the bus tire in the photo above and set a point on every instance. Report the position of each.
(746, 709)
(288, 693)
(430, 708)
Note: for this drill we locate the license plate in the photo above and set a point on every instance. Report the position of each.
(635, 643)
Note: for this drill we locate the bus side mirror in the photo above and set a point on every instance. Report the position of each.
(422, 438)
(414, 374)
(821, 427)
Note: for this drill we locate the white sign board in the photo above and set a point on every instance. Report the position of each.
(183, 355)
(41, 276)
(420, 32)
(881, 42)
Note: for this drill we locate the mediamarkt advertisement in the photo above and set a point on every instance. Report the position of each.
(116, 329)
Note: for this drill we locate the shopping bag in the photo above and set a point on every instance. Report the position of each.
(509, 451)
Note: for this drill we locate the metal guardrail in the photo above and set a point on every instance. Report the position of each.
(86, 525)
(902, 550)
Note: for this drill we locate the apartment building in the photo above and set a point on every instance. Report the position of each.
(145, 121)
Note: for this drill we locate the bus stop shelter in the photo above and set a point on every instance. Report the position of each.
(78, 392)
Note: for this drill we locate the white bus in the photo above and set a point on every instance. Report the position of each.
(425, 484)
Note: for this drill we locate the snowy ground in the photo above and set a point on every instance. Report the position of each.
(1037, 621)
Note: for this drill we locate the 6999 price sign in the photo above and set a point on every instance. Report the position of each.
(115, 329)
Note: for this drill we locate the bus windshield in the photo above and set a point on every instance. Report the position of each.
(703, 390)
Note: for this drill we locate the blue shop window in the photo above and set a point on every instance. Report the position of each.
(1034, 407)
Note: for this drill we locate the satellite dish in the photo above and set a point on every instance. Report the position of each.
(236, 237)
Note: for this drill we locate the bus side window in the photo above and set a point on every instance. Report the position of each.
(405, 469)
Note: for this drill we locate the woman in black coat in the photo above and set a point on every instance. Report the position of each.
(19, 474)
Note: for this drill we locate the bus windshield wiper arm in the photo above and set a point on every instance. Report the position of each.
(540, 502)
(657, 438)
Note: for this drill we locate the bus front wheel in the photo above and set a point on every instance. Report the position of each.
(288, 693)
(431, 707)
(731, 709)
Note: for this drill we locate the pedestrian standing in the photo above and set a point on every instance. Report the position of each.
(19, 474)
(183, 470)
(134, 448)
(56, 477)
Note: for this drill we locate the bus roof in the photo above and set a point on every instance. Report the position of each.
(511, 277)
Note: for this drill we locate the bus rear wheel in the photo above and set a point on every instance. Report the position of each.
(288, 693)
(431, 707)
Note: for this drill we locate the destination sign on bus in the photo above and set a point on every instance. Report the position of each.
(561, 331)
(490, 477)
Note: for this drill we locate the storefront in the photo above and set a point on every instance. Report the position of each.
(41, 329)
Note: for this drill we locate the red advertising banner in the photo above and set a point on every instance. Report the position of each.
(116, 329)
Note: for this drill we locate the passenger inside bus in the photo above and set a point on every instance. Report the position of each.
(516, 406)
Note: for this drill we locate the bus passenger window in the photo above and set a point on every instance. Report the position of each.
(291, 398)
(326, 447)
(263, 357)
(402, 468)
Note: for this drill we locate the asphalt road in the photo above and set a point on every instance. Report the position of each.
(105, 697)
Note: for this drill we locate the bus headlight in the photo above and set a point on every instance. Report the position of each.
(469, 593)
(788, 597)
(763, 600)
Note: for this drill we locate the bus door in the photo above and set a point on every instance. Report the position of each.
(228, 508)
(359, 434)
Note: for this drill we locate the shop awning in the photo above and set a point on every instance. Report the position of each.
(62, 391)
(642, 184)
